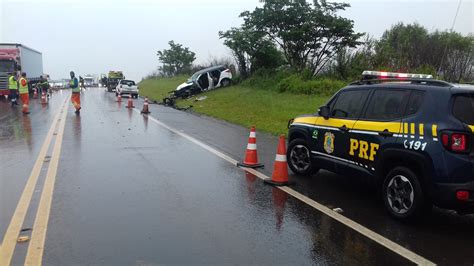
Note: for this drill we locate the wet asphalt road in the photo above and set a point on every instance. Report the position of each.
(131, 192)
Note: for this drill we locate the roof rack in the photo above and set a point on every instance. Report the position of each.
(399, 80)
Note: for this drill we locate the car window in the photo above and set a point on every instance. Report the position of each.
(463, 108)
(349, 104)
(128, 82)
(387, 104)
(416, 99)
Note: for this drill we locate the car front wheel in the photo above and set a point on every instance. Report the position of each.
(403, 195)
(299, 157)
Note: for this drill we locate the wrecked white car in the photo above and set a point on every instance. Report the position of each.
(203, 80)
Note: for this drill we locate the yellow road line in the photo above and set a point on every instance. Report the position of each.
(381, 240)
(10, 238)
(34, 256)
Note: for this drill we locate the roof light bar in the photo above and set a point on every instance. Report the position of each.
(395, 75)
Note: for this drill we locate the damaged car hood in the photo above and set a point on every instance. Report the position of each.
(184, 85)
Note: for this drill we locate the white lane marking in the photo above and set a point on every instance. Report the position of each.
(381, 240)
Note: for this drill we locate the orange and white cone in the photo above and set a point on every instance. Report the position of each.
(145, 107)
(280, 168)
(119, 98)
(44, 100)
(35, 93)
(130, 103)
(251, 157)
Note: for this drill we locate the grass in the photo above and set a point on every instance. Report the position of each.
(268, 110)
(158, 88)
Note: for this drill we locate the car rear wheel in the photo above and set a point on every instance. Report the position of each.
(403, 195)
(225, 82)
(299, 158)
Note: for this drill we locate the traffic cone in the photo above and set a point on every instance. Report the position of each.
(44, 100)
(119, 98)
(251, 158)
(280, 168)
(145, 107)
(35, 93)
(130, 103)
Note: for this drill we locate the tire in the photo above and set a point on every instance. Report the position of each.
(299, 158)
(225, 83)
(168, 101)
(186, 94)
(403, 195)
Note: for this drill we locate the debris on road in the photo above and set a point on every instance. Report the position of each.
(23, 239)
(202, 98)
(338, 210)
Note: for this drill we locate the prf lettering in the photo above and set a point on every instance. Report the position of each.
(364, 149)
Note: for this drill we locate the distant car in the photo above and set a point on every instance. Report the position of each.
(203, 80)
(127, 87)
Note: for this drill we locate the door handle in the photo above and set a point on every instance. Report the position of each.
(386, 133)
(344, 128)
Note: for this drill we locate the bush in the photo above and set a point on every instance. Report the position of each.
(297, 85)
(266, 79)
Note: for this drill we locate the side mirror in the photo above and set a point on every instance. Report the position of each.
(324, 112)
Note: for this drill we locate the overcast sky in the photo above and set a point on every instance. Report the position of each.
(94, 36)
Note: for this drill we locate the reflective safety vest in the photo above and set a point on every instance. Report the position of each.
(12, 84)
(74, 87)
(23, 88)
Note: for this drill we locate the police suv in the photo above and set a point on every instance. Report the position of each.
(411, 133)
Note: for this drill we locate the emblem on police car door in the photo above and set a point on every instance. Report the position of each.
(329, 142)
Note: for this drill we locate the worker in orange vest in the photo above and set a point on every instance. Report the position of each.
(24, 93)
(76, 92)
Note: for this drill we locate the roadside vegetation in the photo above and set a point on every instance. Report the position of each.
(157, 88)
(256, 101)
(290, 56)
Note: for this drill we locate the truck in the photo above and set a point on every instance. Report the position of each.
(113, 79)
(17, 58)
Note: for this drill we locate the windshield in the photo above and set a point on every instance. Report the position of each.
(194, 77)
(128, 82)
(7, 66)
(463, 108)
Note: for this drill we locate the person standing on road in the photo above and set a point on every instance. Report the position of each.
(24, 93)
(76, 92)
(44, 85)
(13, 86)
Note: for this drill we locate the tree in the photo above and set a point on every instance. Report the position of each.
(349, 63)
(251, 50)
(411, 48)
(176, 60)
(308, 34)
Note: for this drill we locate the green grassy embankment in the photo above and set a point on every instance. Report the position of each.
(267, 109)
(158, 88)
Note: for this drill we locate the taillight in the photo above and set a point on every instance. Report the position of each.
(456, 142)
(462, 195)
(445, 139)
